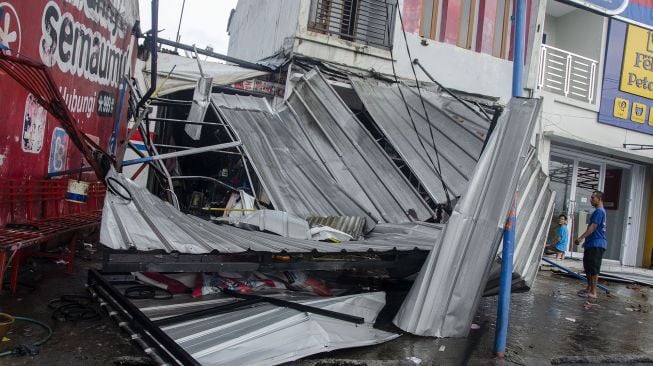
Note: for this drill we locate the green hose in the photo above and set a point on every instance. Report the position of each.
(23, 349)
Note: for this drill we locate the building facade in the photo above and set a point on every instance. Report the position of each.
(571, 62)
(596, 128)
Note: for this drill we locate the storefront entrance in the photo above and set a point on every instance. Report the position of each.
(574, 176)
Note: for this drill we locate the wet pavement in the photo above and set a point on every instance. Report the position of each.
(549, 325)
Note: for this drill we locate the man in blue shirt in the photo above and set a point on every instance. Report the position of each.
(559, 243)
(595, 245)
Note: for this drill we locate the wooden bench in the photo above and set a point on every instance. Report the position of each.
(38, 215)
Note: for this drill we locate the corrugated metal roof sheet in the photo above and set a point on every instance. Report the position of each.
(269, 335)
(458, 133)
(315, 158)
(446, 293)
(148, 223)
(349, 224)
(534, 210)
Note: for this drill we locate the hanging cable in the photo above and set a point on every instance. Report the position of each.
(437, 167)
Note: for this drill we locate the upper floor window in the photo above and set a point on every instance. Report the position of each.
(362, 21)
(479, 25)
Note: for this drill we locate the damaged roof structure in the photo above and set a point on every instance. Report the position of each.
(313, 156)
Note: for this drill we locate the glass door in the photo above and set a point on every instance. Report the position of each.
(574, 177)
(561, 174)
(574, 180)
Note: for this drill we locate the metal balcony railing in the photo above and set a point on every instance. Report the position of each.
(362, 21)
(567, 74)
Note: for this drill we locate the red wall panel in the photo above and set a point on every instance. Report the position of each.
(450, 21)
(487, 18)
(88, 46)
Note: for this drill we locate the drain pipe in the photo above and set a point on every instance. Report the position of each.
(152, 39)
(505, 289)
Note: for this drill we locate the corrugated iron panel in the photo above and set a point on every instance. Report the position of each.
(269, 335)
(349, 224)
(294, 179)
(445, 295)
(147, 223)
(534, 210)
(315, 158)
(458, 133)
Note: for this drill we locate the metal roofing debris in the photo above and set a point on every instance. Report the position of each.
(457, 133)
(277, 222)
(201, 102)
(446, 293)
(351, 225)
(270, 335)
(315, 158)
(534, 209)
(459, 136)
(145, 223)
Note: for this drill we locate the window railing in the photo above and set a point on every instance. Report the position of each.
(567, 74)
(362, 21)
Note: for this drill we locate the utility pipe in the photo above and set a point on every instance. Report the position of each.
(505, 288)
(520, 45)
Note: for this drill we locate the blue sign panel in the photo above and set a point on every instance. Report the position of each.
(626, 100)
(607, 7)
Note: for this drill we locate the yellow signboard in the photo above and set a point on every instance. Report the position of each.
(637, 69)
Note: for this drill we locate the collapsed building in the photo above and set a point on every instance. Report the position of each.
(417, 178)
(230, 168)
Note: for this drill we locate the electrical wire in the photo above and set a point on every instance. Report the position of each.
(437, 168)
(111, 188)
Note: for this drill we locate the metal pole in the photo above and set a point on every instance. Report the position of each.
(183, 5)
(503, 311)
(182, 153)
(505, 289)
(574, 274)
(114, 143)
(520, 43)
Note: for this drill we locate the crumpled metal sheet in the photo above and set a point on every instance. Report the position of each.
(348, 224)
(147, 223)
(458, 133)
(534, 210)
(446, 293)
(201, 102)
(277, 222)
(269, 335)
(314, 157)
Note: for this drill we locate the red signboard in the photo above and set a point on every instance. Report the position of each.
(89, 48)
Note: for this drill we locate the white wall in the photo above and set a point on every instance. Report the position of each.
(580, 32)
(578, 126)
(258, 28)
(551, 30)
(452, 66)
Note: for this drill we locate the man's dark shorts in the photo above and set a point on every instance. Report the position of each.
(592, 261)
